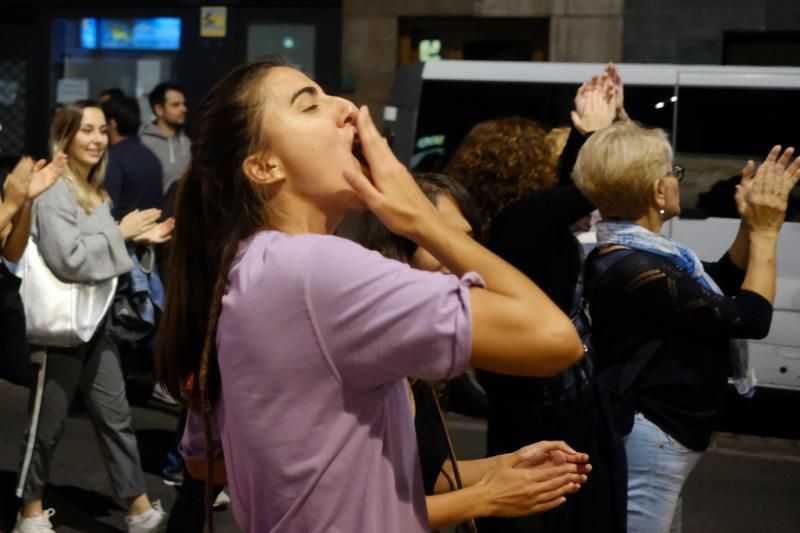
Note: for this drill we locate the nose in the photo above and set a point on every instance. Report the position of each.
(347, 112)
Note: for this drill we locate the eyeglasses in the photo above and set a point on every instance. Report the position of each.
(677, 171)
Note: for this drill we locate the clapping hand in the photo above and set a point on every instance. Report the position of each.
(137, 222)
(595, 106)
(15, 188)
(45, 175)
(158, 234)
(762, 198)
(535, 479)
(613, 82)
(744, 186)
(553, 453)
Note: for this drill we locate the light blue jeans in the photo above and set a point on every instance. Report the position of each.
(658, 466)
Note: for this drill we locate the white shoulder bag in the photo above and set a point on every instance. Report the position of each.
(59, 313)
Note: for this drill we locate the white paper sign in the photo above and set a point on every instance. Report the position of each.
(71, 89)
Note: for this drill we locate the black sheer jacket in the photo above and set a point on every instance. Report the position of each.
(645, 296)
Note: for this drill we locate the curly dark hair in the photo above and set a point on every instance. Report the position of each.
(500, 160)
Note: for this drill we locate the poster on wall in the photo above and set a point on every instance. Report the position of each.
(213, 21)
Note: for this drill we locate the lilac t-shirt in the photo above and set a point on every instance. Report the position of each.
(316, 338)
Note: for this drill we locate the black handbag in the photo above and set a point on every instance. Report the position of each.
(15, 361)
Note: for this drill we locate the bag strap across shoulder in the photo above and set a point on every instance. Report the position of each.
(599, 265)
(451, 454)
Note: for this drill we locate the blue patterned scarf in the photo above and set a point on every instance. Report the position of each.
(639, 238)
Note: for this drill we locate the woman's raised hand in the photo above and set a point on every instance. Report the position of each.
(45, 175)
(595, 106)
(137, 222)
(766, 195)
(390, 192)
(15, 188)
(744, 186)
(613, 82)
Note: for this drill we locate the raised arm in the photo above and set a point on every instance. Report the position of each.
(764, 213)
(43, 176)
(15, 194)
(516, 328)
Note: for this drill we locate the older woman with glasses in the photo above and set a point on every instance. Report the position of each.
(664, 323)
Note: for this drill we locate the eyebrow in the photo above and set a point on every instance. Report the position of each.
(305, 90)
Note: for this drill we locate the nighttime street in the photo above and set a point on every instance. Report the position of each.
(744, 484)
(563, 232)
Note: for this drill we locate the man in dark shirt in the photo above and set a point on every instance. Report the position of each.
(133, 176)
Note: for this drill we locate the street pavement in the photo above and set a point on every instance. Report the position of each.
(744, 484)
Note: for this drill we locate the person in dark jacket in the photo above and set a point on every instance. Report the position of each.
(528, 204)
(134, 178)
(689, 313)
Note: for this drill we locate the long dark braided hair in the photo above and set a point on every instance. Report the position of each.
(217, 207)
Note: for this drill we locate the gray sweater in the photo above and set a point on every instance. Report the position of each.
(77, 246)
(173, 152)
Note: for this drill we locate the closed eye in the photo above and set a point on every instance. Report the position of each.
(310, 108)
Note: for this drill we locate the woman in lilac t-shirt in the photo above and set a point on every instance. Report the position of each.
(298, 342)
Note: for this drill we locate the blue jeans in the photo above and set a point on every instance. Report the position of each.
(658, 466)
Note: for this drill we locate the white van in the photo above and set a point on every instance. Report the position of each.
(718, 117)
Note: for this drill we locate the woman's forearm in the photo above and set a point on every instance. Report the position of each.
(761, 264)
(471, 472)
(517, 329)
(17, 240)
(457, 506)
(739, 251)
(7, 212)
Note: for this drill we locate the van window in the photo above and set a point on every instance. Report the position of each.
(449, 109)
(719, 129)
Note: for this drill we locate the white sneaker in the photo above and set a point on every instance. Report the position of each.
(148, 521)
(39, 523)
(222, 501)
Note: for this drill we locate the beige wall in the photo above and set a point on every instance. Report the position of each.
(580, 30)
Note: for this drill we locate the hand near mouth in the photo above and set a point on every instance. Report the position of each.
(390, 191)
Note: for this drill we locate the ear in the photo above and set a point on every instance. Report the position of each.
(158, 110)
(112, 124)
(261, 170)
(660, 194)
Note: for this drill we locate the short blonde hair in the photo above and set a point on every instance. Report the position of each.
(618, 166)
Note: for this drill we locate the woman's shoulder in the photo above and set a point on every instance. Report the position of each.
(58, 197)
(297, 252)
(302, 243)
(59, 192)
(624, 265)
